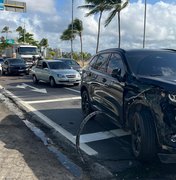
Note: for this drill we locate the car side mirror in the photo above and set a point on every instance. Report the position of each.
(116, 73)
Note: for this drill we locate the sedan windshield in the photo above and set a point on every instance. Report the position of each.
(16, 61)
(58, 65)
(155, 63)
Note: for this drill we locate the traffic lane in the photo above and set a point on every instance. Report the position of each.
(68, 114)
(26, 90)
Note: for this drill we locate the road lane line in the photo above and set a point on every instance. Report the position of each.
(98, 136)
(53, 100)
(88, 150)
(70, 89)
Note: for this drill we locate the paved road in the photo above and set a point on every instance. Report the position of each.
(60, 107)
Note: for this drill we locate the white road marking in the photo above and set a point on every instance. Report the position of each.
(23, 86)
(70, 89)
(85, 138)
(53, 100)
(52, 124)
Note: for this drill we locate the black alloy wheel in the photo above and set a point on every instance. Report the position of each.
(143, 136)
(85, 103)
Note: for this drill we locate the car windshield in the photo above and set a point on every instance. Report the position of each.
(161, 63)
(28, 50)
(58, 65)
(70, 62)
(16, 61)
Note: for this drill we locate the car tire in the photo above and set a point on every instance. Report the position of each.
(143, 136)
(8, 72)
(85, 103)
(35, 80)
(52, 82)
(2, 72)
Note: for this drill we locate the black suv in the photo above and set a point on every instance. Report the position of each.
(137, 89)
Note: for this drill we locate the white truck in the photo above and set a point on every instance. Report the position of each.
(26, 52)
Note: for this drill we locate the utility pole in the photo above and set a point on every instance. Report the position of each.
(145, 12)
(72, 33)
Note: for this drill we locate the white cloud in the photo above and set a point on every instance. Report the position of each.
(49, 19)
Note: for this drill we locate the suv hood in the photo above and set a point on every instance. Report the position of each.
(168, 83)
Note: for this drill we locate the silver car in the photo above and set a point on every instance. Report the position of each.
(55, 72)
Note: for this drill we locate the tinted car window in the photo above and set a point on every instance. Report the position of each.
(45, 65)
(70, 62)
(93, 61)
(58, 65)
(154, 64)
(115, 62)
(101, 62)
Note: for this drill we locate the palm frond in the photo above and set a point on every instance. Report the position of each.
(110, 17)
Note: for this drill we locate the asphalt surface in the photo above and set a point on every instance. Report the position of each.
(101, 141)
(23, 155)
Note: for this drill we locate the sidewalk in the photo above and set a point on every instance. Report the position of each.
(23, 155)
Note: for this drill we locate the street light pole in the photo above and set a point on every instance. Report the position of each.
(72, 33)
(145, 12)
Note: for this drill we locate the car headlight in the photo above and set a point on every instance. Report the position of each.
(60, 76)
(172, 97)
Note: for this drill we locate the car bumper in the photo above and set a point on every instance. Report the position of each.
(18, 70)
(67, 81)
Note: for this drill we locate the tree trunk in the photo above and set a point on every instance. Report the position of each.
(81, 49)
(98, 36)
(119, 29)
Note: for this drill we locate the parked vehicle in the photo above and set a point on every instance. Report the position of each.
(72, 63)
(137, 89)
(55, 72)
(1, 61)
(14, 66)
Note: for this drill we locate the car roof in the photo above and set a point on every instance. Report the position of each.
(51, 60)
(136, 50)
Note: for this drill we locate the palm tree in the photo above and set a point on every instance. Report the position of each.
(116, 6)
(67, 35)
(6, 30)
(95, 7)
(77, 30)
(44, 43)
(20, 31)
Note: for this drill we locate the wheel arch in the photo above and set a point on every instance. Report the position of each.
(137, 108)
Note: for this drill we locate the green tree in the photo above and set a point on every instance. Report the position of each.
(43, 46)
(116, 6)
(95, 7)
(6, 30)
(67, 35)
(77, 30)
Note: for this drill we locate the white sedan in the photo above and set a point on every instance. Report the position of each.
(55, 72)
